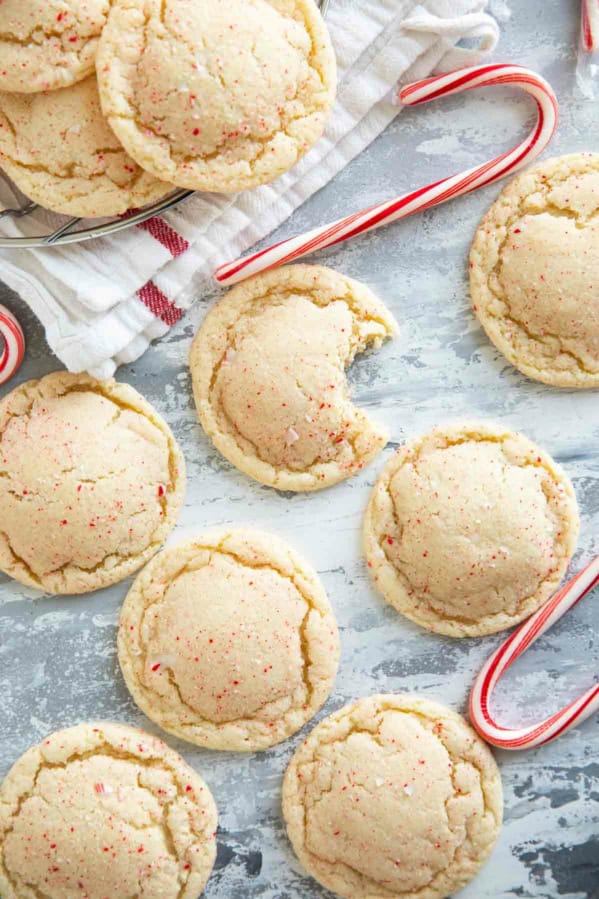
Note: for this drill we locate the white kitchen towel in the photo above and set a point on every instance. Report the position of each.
(102, 302)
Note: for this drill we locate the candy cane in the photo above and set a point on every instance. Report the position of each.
(14, 345)
(589, 28)
(506, 655)
(433, 194)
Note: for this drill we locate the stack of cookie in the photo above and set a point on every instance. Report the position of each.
(107, 106)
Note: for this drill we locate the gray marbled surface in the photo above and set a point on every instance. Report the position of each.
(57, 656)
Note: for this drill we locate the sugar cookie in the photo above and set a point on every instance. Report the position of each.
(534, 271)
(229, 640)
(393, 797)
(91, 483)
(59, 150)
(104, 810)
(216, 96)
(268, 370)
(470, 529)
(50, 44)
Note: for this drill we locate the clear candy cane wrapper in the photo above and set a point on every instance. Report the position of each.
(587, 66)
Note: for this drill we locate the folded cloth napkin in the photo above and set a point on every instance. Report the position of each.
(103, 301)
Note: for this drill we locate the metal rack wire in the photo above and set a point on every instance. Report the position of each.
(65, 230)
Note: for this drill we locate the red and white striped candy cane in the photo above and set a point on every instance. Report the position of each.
(13, 350)
(589, 28)
(506, 655)
(425, 197)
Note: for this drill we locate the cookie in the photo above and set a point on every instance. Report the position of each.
(268, 371)
(216, 96)
(44, 46)
(105, 810)
(470, 529)
(228, 641)
(60, 152)
(534, 268)
(92, 481)
(393, 796)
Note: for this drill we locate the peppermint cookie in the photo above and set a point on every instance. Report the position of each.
(92, 482)
(216, 96)
(534, 269)
(104, 810)
(59, 150)
(268, 370)
(393, 797)
(229, 641)
(50, 44)
(470, 529)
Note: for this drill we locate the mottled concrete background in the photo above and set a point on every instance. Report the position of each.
(57, 656)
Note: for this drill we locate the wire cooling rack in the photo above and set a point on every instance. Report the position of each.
(63, 230)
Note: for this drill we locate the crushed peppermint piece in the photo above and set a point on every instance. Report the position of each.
(291, 436)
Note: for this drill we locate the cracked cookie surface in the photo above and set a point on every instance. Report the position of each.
(470, 529)
(393, 796)
(216, 96)
(59, 150)
(534, 272)
(91, 482)
(228, 641)
(50, 44)
(268, 370)
(104, 810)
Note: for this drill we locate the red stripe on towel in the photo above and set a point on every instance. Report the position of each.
(159, 304)
(164, 234)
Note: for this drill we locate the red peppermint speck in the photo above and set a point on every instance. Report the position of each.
(161, 490)
(195, 132)
(156, 666)
(188, 788)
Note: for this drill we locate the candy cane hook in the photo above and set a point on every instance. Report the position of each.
(506, 655)
(425, 197)
(14, 345)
